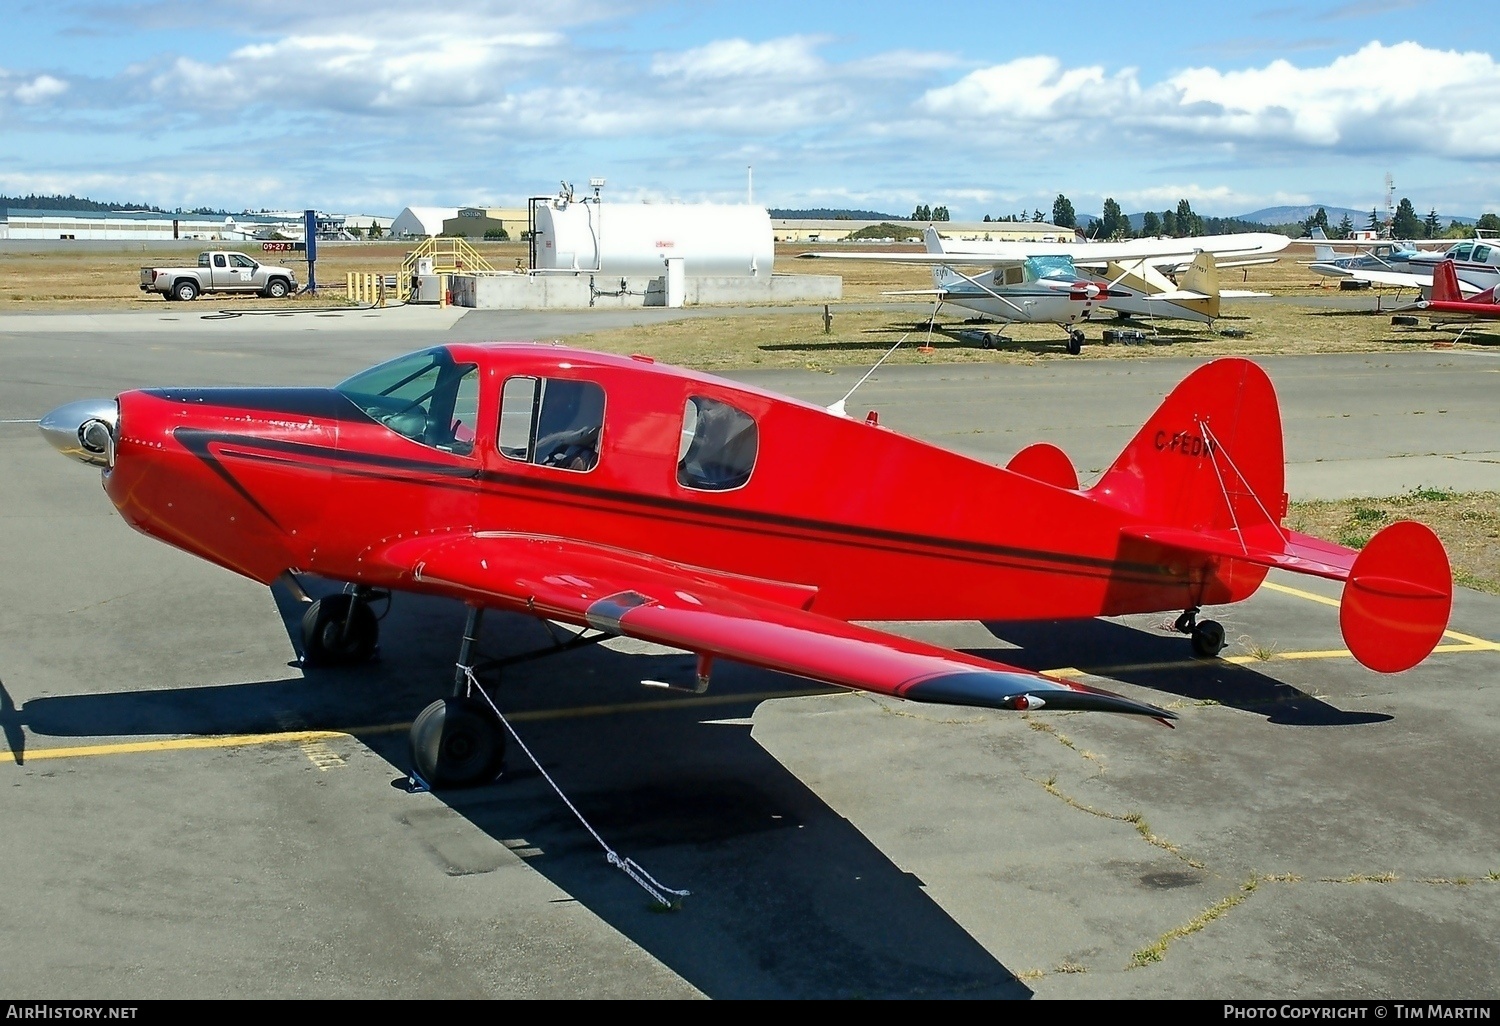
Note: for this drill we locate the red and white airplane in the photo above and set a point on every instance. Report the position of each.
(631, 498)
(1448, 301)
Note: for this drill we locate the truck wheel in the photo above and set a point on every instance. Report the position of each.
(276, 288)
(186, 291)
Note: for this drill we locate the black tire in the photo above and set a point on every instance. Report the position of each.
(277, 288)
(1208, 639)
(326, 642)
(1075, 343)
(185, 290)
(988, 341)
(455, 742)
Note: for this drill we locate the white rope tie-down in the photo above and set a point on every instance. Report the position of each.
(663, 895)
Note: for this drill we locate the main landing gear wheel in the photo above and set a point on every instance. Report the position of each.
(455, 742)
(1075, 343)
(339, 630)
(1208, 639)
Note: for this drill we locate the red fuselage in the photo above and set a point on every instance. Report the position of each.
(869, 524)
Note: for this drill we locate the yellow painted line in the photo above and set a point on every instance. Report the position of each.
(1310, 596)
(303, 737)
(1468, 639)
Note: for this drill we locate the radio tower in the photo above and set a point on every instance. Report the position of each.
(1390, 207)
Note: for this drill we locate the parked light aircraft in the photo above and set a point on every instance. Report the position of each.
(1126, 277)
(1476, 263)
(1448, 303)
(1365, 255)
(631, 498)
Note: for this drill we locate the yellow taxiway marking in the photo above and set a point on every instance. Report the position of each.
(308, 738)
(1469, 641)
(312, 739)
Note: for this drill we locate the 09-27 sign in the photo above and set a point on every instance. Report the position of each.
(282, 247)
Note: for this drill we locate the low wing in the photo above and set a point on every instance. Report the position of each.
(761, 623)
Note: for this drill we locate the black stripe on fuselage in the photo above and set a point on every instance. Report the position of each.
(325, 403)
(455, 476)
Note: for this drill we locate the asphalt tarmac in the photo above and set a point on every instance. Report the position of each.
(189, 813)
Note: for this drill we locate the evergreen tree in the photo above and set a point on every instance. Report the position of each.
(375, 231)
(1374, 225)
(1150, 224)
(1113, 222)
(1062, 212)
(1188, 223)
(1037, 217)
(1432, 226)
(986, 218)
(1318, 220)
(1488, 223)
(1405, 225)
(940, 214)
(1168, 223)
(1345, 228)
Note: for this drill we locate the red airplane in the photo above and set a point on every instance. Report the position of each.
(1449, 303)
(631, 498)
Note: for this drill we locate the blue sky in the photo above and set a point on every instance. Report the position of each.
(988, 108)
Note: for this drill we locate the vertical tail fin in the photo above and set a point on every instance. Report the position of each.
(1203, 276)
(1445, 284)
(1209, 458)
(1322, 254)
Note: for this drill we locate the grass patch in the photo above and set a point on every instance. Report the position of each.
(1363, 878)
(1157, 951)
(1468, 523)
(1135, 819)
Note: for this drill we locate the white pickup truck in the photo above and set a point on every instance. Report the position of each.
(219, 271)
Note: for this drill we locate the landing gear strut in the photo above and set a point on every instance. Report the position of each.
(457, 741)
(1207, 635)
(341, 630)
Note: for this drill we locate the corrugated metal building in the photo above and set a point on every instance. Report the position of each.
(136, 225)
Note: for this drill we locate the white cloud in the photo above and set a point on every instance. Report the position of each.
(1406, 97)
(791, 57)
(39, 89)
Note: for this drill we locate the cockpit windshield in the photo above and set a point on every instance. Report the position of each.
(426, 397)
(1040, 267)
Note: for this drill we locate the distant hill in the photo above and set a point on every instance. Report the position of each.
(1361, 218)
(833, 214)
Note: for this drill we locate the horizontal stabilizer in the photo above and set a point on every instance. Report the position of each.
(1263, 547)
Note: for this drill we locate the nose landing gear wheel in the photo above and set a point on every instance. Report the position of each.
(1075, 343)
(339, 630)
(455, 742)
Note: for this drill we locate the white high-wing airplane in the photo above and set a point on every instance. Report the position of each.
(1065, 282)
(1477, 262)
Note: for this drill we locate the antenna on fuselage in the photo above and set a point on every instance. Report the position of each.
(838, 407)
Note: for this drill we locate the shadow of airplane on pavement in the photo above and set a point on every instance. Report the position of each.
(789, 899)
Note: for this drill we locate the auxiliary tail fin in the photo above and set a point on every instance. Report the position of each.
(1209, 459)
(1445, 287)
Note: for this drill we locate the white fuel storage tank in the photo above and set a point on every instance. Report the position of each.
(712, 239)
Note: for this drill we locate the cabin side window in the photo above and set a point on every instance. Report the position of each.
(425, 397)
(552, 422)
(1481, 254)
(718, 446)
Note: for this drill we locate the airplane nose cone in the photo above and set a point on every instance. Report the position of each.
(84, 431)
